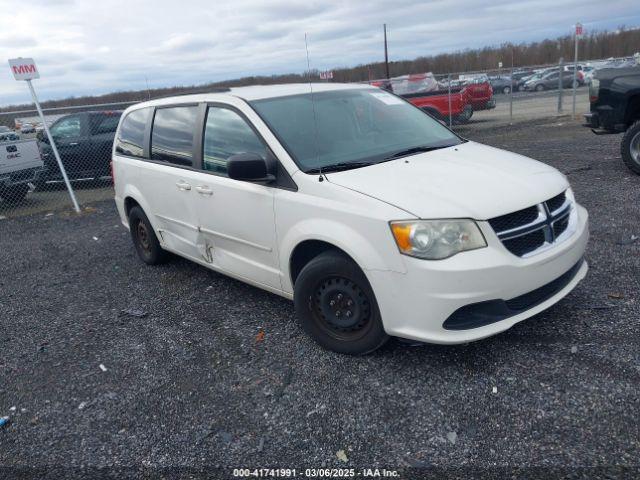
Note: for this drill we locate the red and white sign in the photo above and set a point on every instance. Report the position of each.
(578, 29)
(328, 75)
(24, 68)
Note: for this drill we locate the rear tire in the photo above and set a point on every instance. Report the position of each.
(630, 148)
(144, 238)
(465, 116)
(539, 88)
(506, 90)
(15, 193)
(336, 306)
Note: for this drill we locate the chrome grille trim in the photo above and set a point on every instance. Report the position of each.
(546, 222)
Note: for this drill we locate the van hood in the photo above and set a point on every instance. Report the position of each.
(469, 180)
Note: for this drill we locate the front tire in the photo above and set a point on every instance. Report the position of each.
(630, 148)
(144, 238)
(506, 90)
(336, 305)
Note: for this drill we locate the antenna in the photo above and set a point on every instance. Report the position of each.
(313, 106)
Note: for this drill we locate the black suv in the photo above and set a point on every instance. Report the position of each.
(84, 141)
(614, 94)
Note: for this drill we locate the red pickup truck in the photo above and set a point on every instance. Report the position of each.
(481, 94)
(423, 91)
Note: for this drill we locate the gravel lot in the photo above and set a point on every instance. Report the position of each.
(192, 385)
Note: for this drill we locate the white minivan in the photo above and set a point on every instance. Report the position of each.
(375, 219)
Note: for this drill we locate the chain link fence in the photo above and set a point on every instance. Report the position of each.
(31, 180)
(499, 96)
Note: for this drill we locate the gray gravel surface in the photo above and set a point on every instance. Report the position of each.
(189, 383)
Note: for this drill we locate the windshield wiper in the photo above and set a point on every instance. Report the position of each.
(338, 167)
(413, 150)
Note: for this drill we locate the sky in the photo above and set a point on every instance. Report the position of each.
(87, 47)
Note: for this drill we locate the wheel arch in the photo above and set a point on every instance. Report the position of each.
(132, 197)
(311, 238)
(632, 111)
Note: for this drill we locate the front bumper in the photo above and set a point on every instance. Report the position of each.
(416, 304)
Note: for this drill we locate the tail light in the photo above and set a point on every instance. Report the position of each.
(594, 89)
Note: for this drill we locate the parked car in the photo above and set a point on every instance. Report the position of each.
(481, 92)
(442, 103)
(4, 129)
(614, 96)
(27, 128)
(20, 164)
(579, 73)
(373, 218)
(84, 141)
(501, 84)
(519, 78)
(426, 93)
(9, 137)
(548, 81)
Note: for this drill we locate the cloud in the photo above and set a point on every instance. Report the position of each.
(87, 47)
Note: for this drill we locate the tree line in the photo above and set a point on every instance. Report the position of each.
(596, 45)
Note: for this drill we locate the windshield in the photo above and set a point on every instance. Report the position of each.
(359, 126)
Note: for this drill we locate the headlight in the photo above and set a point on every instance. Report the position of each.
(437, 239)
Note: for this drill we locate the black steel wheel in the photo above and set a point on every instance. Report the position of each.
(144, 238)
(336, 305)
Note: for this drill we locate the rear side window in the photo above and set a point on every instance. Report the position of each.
(172, 135)
(226, 134)
(130, 139)
(105, 123)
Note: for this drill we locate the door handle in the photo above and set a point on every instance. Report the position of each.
(204, 190)
(183, 186)
(74, 144)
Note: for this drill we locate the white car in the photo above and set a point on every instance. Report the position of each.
(374, 218)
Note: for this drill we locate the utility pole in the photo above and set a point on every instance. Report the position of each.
(386, 53)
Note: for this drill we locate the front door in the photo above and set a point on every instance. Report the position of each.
(237, 220)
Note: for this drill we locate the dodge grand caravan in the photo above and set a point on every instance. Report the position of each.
(375, 219)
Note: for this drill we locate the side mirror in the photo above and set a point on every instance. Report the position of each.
(250, 167)
(41, 137)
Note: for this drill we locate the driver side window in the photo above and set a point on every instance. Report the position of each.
(227, 134)
(67, 128)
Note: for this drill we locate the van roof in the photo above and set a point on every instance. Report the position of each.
(255, 92)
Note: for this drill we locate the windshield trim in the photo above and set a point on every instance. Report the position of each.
(288, 149)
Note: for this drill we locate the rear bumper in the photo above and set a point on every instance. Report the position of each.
(20, 177)
(603, 118)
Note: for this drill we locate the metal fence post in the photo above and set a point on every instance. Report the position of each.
(76, 207)
(511, 95)
(560, 68)
(575, 74)
(449, 88)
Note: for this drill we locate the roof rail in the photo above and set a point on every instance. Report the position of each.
(195, 91)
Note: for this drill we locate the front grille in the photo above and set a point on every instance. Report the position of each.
(527, 230)
(514, 220)
(525, 243)
(560, 226)
(556, 202)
